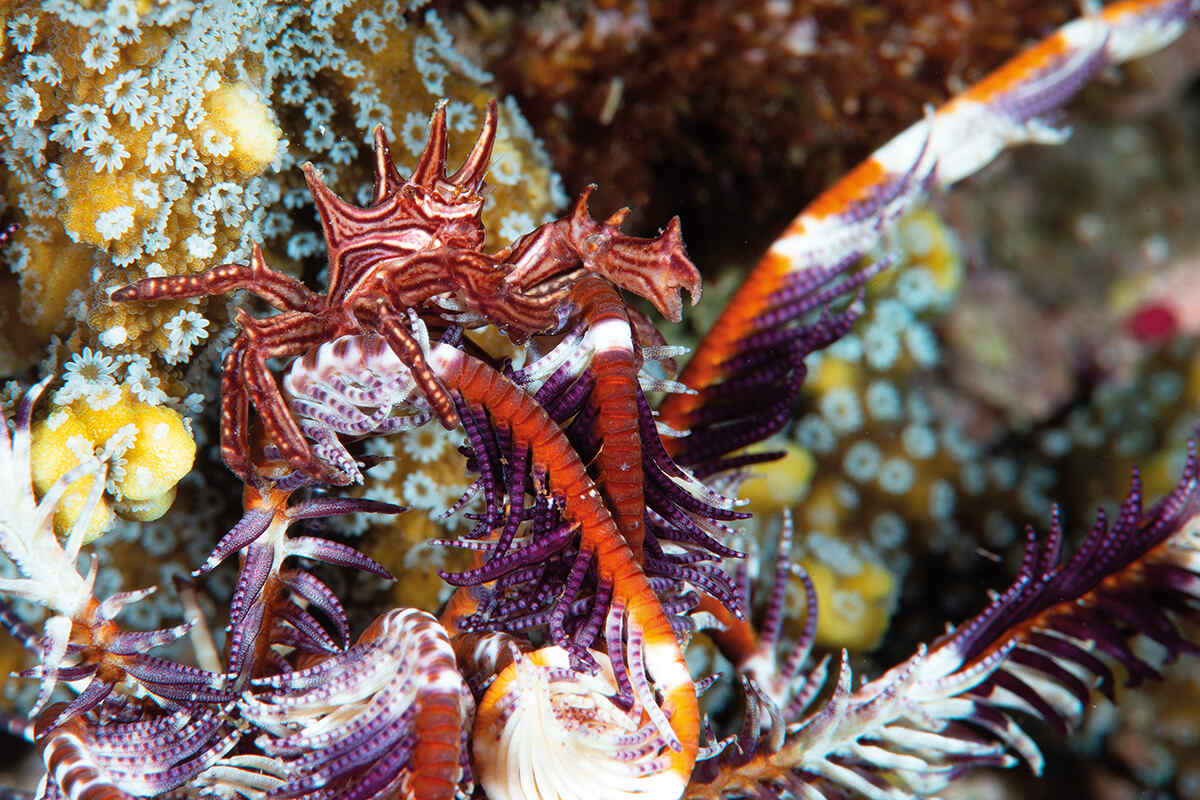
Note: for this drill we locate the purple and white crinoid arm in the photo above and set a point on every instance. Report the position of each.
(391, 710)
(357, 386)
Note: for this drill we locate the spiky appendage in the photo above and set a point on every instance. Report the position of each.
(80, 640)
(388, 717)
(270, 604)
(129, 752)
(1040, 648)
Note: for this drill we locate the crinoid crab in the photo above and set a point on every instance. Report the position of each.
(417, 246)
(603, 540)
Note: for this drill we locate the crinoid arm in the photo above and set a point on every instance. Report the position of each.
(272, 601)
(1007, 107)
(572, 537)
(1039, 649)
(131, 753)
(81, 640)
(749, 395)
(389, 712)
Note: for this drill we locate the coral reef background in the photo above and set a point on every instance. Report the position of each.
(1044, 310)
(734, 99)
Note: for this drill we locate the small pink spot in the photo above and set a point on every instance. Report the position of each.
(1153, 323)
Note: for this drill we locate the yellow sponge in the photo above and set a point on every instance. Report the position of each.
(854, 609)
(149, 450)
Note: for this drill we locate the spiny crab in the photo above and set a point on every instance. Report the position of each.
(417, 246)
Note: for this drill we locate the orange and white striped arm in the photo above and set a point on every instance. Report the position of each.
(1006, 108)
(636, 618)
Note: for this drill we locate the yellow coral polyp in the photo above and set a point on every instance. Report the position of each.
(931, 244)
(160, 452)
(779, 484)
(235, 110)
(926, 242)
(833, 373)
(95, 203)
(854, 610)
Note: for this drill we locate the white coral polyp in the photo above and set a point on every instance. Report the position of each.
(24, 105)
(184, 331)
(115, 223)
(547, 732)
(200, 247)
(106, 153)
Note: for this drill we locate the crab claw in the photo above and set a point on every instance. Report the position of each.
(656, 269)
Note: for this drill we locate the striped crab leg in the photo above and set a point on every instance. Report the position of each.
(1005, 108)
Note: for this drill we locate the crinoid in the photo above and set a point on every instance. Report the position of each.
(1039, 649)
(601, 547)
(417, 246)
(81, 640)
(389, 714)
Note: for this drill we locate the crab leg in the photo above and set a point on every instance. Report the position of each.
(282, 291)
(259, 340)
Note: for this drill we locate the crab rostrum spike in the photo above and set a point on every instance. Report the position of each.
(387, 178)
(339, 220)
(618, 217)
(432, 166)
(470, 175)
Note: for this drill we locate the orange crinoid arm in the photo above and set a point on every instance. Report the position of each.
(615, 403)
(649, 634)
(1005, 108)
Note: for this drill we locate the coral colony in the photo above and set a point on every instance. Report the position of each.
(603, 538)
